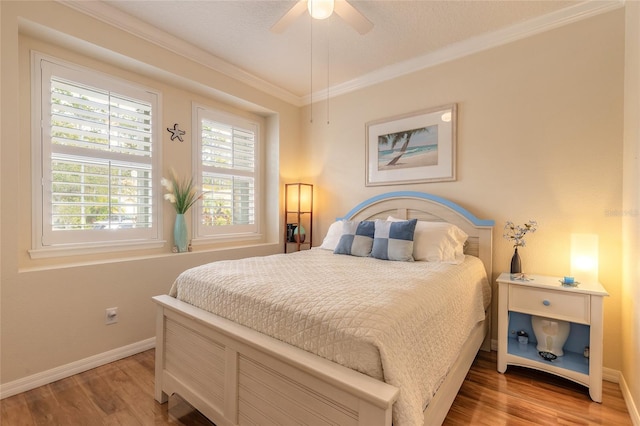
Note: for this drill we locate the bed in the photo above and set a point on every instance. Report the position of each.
(269, 372)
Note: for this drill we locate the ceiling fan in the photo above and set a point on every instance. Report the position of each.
(321, 9)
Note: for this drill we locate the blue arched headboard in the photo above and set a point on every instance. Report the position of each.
(428, 207)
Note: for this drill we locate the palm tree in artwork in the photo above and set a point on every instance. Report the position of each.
(395, 138)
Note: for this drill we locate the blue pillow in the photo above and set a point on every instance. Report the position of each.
(356, 238)
(394, 240)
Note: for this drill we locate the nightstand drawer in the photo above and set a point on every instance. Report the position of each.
(560, 305)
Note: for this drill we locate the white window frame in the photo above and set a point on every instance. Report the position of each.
(203, 234)
(48, 243)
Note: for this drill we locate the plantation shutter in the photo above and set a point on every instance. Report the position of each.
(97, 159)
(101, 159)
(228, 153)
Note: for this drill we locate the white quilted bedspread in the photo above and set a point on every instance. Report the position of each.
(401, 322)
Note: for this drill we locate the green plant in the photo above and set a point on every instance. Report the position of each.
(182, 193)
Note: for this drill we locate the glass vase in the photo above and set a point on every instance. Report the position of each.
(180, 236)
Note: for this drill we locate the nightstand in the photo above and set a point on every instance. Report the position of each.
(546, 297)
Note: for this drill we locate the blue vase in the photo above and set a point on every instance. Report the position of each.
(180, 237)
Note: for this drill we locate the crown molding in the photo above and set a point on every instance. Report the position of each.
(140, 29)
(470, 46)
(136, 27)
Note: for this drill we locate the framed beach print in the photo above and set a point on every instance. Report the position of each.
(412, 148)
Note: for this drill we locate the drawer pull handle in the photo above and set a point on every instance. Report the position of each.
(546, 303)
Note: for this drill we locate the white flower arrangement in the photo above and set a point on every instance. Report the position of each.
(516, 233)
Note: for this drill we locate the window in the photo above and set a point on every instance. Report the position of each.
(227, 164)
(95, 147)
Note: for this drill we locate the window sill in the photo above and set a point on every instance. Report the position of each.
(82, 249)
(230, 238)
(206, 255)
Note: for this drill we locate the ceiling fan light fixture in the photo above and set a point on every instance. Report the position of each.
(320, 9)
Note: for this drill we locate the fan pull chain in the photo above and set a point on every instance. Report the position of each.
(328, 50)
(311, 75)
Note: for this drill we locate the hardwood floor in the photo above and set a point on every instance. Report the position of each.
(121, 393)
(523, 396)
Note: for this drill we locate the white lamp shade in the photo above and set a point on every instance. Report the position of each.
(299, 193)
(584, 257)
(320, 9)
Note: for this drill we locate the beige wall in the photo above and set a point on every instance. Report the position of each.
(52, 310)
(539, 137)
(631, 206)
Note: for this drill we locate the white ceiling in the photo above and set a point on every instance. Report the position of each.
(407, 35)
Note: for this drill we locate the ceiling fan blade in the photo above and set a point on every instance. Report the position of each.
(351, 15)
(296, 10)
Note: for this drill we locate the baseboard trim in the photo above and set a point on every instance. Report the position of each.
(634, 413)
(64, 371)
(611, 375)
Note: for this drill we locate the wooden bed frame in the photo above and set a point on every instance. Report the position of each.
(235, 375)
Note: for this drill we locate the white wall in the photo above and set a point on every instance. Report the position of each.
(539, 137)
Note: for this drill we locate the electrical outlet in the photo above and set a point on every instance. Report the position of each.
(111, 316)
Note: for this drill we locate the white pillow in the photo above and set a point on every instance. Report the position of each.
(437, 242)
(333, 236)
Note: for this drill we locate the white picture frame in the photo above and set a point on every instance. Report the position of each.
(418, 147)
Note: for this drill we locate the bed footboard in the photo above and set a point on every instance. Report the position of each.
(235, 375)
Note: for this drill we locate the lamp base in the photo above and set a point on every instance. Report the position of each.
(551, 334)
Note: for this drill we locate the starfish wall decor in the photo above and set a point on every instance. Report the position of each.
(176, 133)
